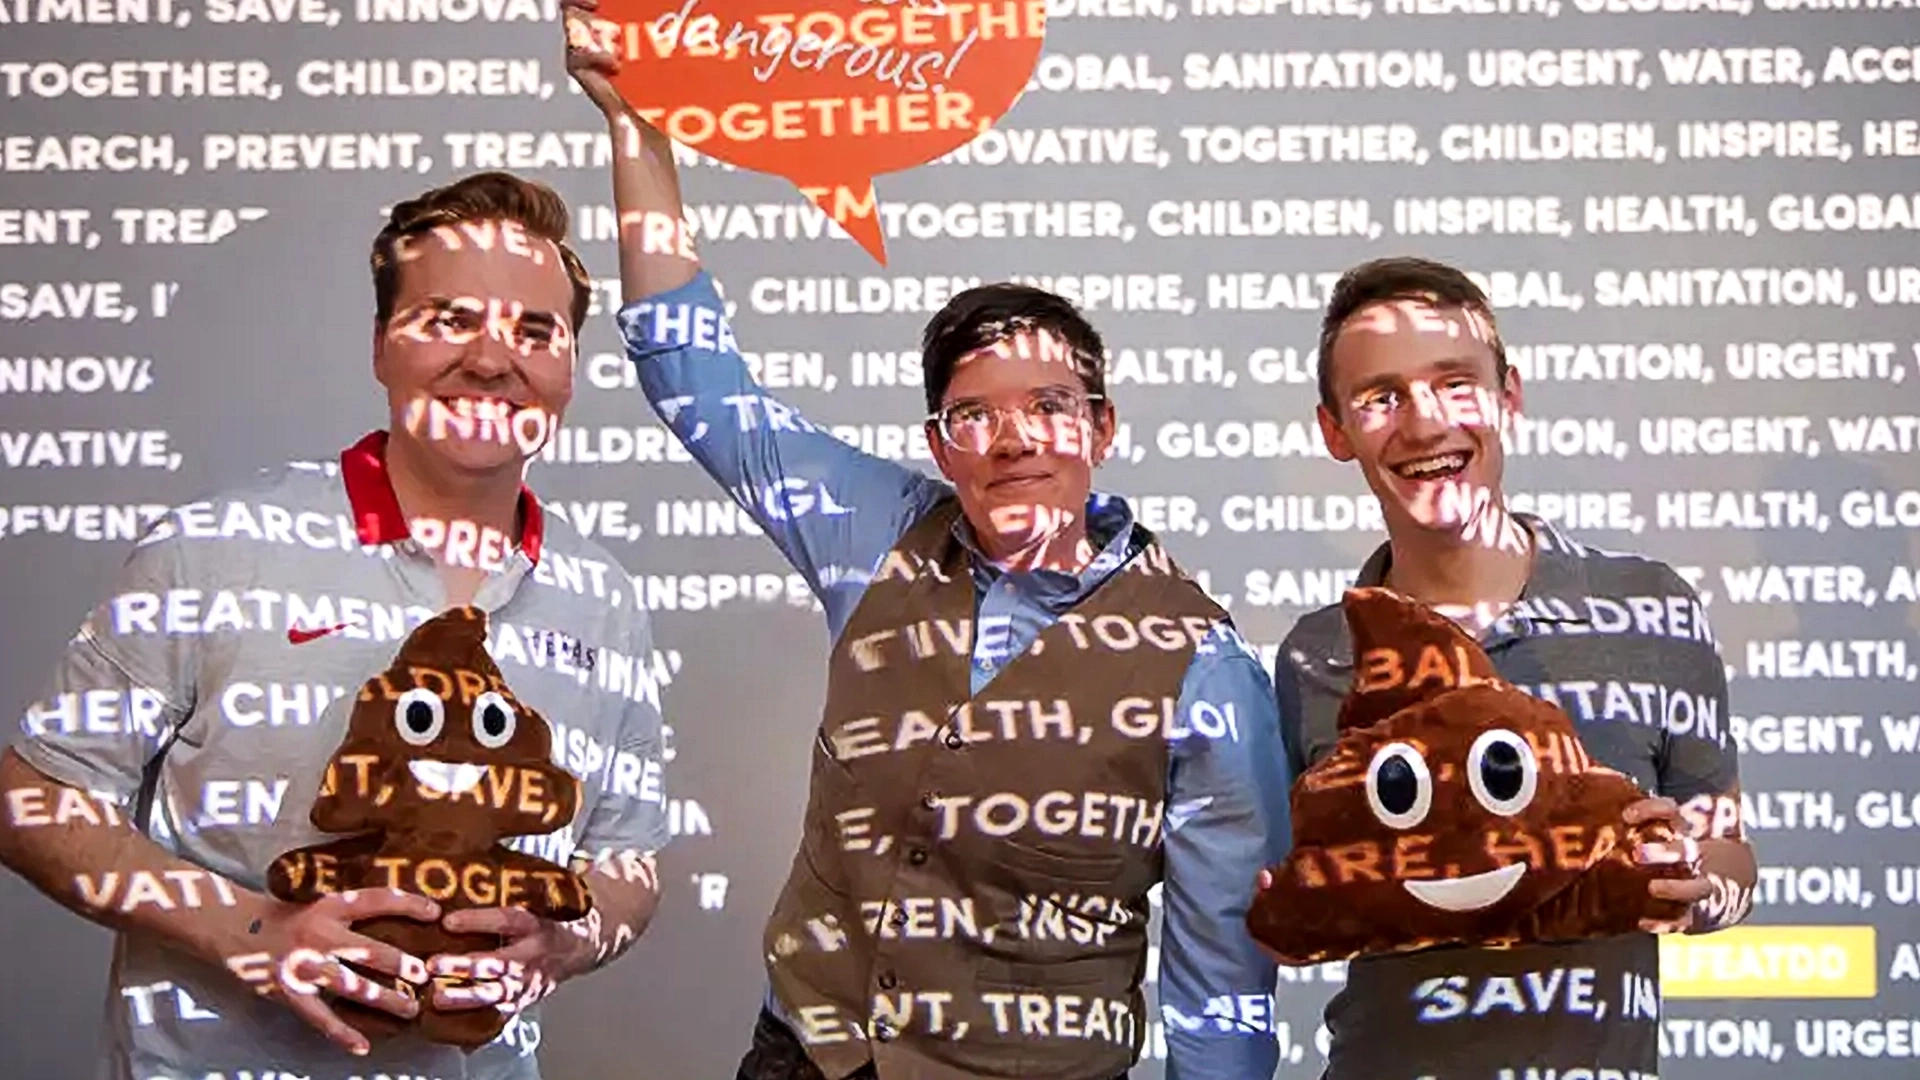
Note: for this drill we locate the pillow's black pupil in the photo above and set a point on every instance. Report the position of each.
(420, 717)
(1501, 771)
(493, 719)
(1396, 784)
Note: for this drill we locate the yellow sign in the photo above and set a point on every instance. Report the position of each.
(1771, 962)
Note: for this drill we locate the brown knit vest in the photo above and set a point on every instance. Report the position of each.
(970, 894)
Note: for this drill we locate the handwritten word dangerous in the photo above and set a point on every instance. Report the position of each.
(869, 40)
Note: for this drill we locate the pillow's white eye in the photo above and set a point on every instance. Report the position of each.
(1399, 786)
(1502, 772)
(419, 715)
(493, 720)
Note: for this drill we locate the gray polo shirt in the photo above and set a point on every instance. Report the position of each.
(215, 682)
(1622, 644)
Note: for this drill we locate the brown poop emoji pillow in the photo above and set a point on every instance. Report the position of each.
(439, 764)
(1454, 809)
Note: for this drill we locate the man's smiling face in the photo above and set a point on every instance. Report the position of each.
(477, 330)
(1419, 404)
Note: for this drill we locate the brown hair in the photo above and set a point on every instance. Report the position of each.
(1401, 278)
(487, 196)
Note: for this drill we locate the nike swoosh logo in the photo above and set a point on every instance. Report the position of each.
(297, 636)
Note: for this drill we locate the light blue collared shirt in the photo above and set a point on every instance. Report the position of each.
(835, 512)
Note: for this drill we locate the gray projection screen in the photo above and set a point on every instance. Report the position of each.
(1696, 217)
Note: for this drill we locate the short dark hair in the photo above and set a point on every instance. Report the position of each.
(1403, 277)
(986, 314)
(487, 196)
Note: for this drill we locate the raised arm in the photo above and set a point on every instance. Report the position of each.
(828, 507)
(1227, 818)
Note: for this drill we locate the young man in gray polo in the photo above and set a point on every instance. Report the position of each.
(1415, 389)
(182, 740)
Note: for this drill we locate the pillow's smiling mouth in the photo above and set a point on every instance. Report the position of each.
(446, 777)
(1467, 893)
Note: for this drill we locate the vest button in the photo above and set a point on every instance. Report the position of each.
(917, 856)
(899, 917)
(954, 741)
(930, 800)
(888, 981)
(883, 1031)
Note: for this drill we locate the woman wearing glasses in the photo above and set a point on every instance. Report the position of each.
(1032, 716)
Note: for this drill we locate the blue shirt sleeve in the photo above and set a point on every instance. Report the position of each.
(1227, 818)
(831, 509)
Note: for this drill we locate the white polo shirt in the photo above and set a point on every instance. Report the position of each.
(214, 683)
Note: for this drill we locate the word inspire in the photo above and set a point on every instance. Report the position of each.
(867, 38)
(482, 420)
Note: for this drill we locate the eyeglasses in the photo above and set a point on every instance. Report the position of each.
(1048, 417)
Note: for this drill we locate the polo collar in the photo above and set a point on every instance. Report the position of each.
(376, 509)
(1110, 526)
(1556, 591)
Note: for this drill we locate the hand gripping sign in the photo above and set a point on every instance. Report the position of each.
(827, 93)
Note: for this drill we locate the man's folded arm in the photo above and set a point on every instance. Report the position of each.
(827, 506)
(70, 784)
(1702, 774)
(1226, 819)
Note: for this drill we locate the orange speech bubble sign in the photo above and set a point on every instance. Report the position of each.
(828, 94)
